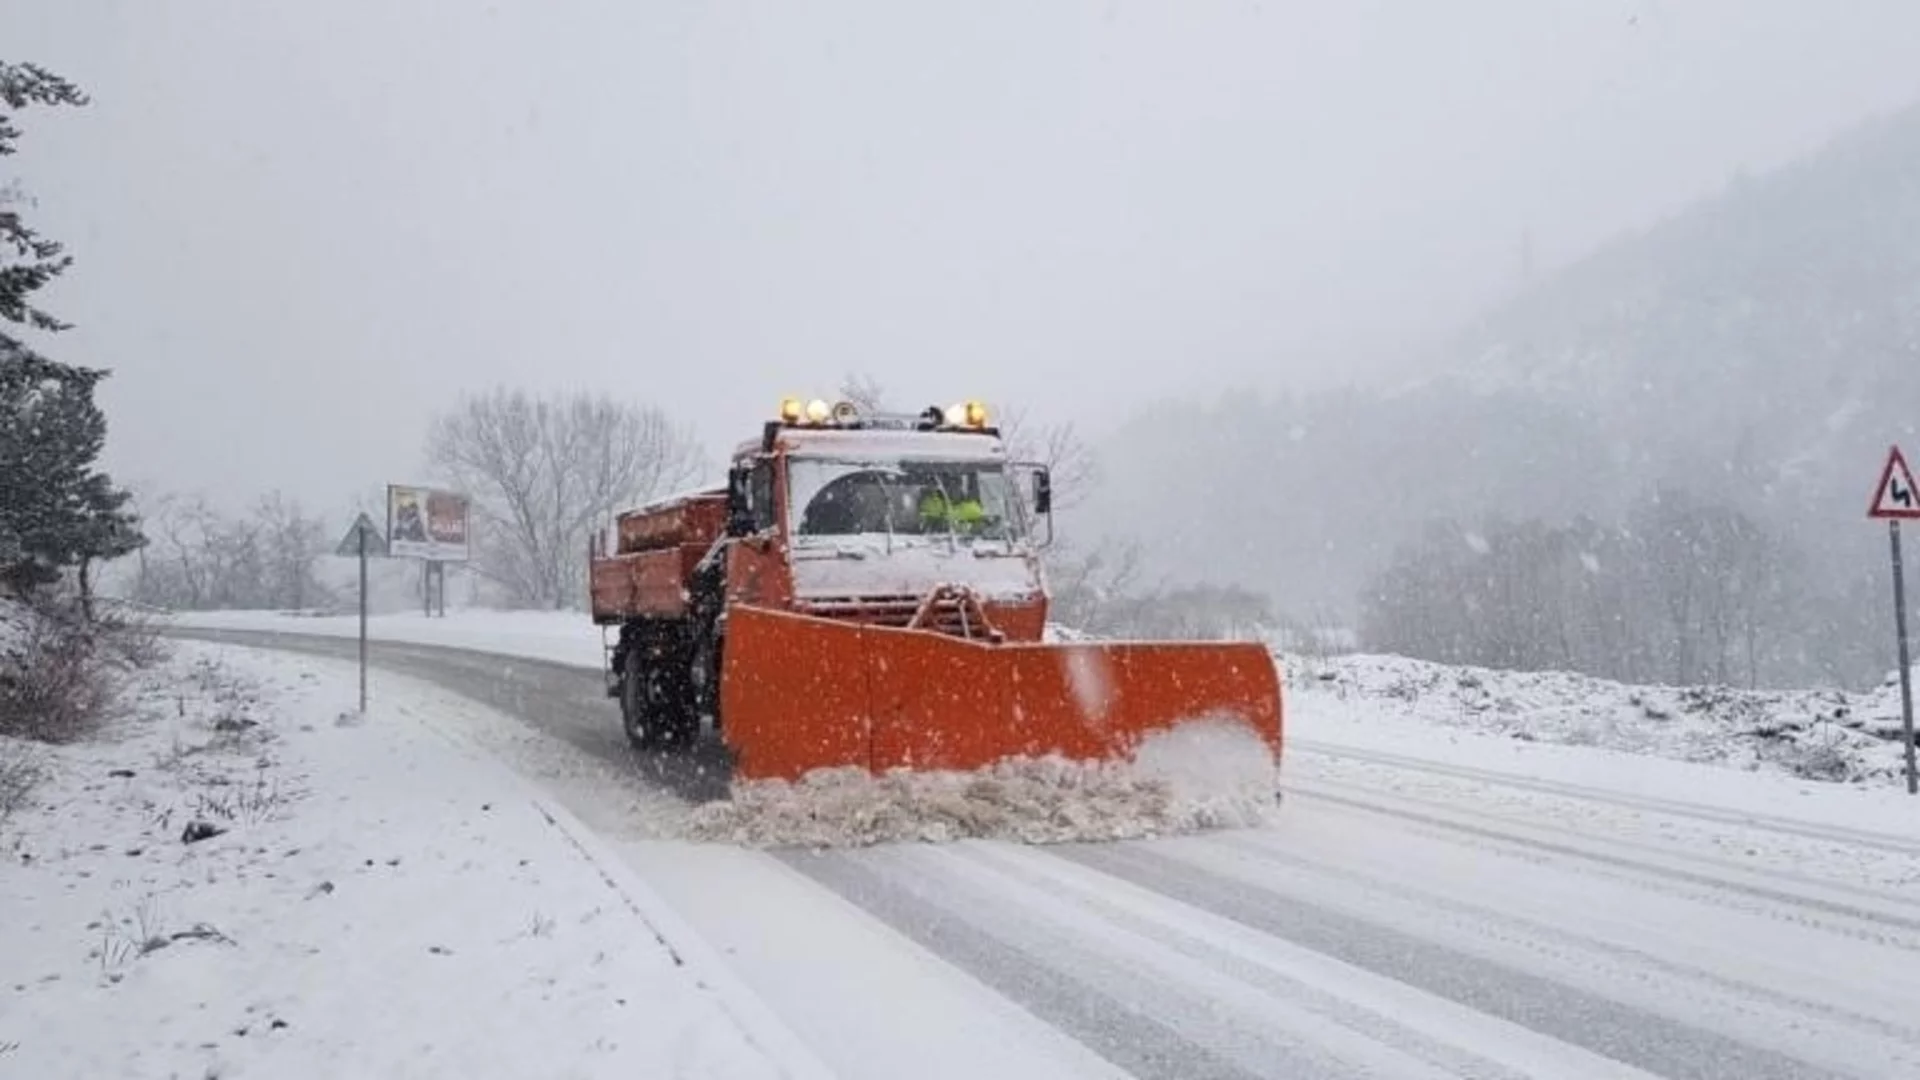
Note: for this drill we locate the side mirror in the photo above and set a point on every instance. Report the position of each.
(1042, 492)
(739, 502)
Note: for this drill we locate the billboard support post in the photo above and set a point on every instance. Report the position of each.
(433, 587)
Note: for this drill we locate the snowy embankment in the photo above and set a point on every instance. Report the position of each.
(1191, 780)
(240, 879)
(1823, 735)
(1811, 734)
(563, 637)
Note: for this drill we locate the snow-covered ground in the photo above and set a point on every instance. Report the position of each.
(245, 878)
(563, 637)
(1434, 898)
(1821, 735)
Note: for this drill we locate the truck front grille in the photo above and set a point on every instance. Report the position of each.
(948, 616)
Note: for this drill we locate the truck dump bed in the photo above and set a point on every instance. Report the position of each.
(657, 548)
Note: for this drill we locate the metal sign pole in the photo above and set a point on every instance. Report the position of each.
(363, 541)
(1906, 663)
(363, 621)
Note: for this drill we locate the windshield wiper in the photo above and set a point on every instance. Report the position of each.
(946, 514)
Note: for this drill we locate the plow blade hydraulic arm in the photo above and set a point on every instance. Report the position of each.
(800, 693)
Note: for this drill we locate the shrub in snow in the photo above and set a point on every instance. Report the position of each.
(55, 683)
(19, 772)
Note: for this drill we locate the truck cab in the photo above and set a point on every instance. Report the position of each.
(872, 518)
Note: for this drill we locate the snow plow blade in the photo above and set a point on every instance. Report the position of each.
(802, 693)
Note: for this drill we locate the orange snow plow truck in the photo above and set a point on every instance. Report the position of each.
(866, 591)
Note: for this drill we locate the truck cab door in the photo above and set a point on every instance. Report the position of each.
(756, 560)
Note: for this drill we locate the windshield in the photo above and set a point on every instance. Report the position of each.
(966, 500)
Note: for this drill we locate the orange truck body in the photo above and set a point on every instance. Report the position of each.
(815, 641)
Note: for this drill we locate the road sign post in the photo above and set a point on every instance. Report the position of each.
(1906, 662)
(363, 540)
(363, 620)
(1896, 500)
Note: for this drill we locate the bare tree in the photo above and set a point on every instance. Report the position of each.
(543, 473)
(1097, 590)
(200, 559)
(864, 391)
(166, 571)
(293, 542)
(1076, 472)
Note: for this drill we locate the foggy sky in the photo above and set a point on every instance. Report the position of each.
(300, 228)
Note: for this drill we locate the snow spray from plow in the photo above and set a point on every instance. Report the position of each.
(1191, 777)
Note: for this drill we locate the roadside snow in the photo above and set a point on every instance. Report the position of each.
(240, 880)
(1812, 734)
(563, 637)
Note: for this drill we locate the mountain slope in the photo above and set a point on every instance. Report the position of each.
(1770, 336)
(1760, 349)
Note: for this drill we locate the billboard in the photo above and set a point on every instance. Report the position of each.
(423, 523)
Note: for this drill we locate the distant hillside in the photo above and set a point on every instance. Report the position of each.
(1760, 349)
(1769, 337)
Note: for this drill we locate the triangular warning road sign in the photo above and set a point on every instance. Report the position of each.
(350, 543)
(1896, 497)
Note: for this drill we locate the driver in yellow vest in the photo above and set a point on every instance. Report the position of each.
(961, 515)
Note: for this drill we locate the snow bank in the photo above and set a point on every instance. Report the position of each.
(242, 881)
(1197, 776)
(1828, 735)
(563, 637)
(1812, 734)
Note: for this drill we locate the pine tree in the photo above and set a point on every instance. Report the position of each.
(56, 511)
(33, 261)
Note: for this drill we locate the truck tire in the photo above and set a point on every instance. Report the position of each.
(704, 673)
(656, 693)
(635, 712)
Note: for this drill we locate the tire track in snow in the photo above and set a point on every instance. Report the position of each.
(1140, 1041)
(1887, 842)
(1287, 865)
(1778, 903)
(1636, 1037)
(1429, 1032)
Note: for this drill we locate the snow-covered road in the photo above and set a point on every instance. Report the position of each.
(1420, 907)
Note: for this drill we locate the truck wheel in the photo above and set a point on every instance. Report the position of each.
(679, 727)
(656, 706)
(636, 714)
(704, 674)
(673, 707)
